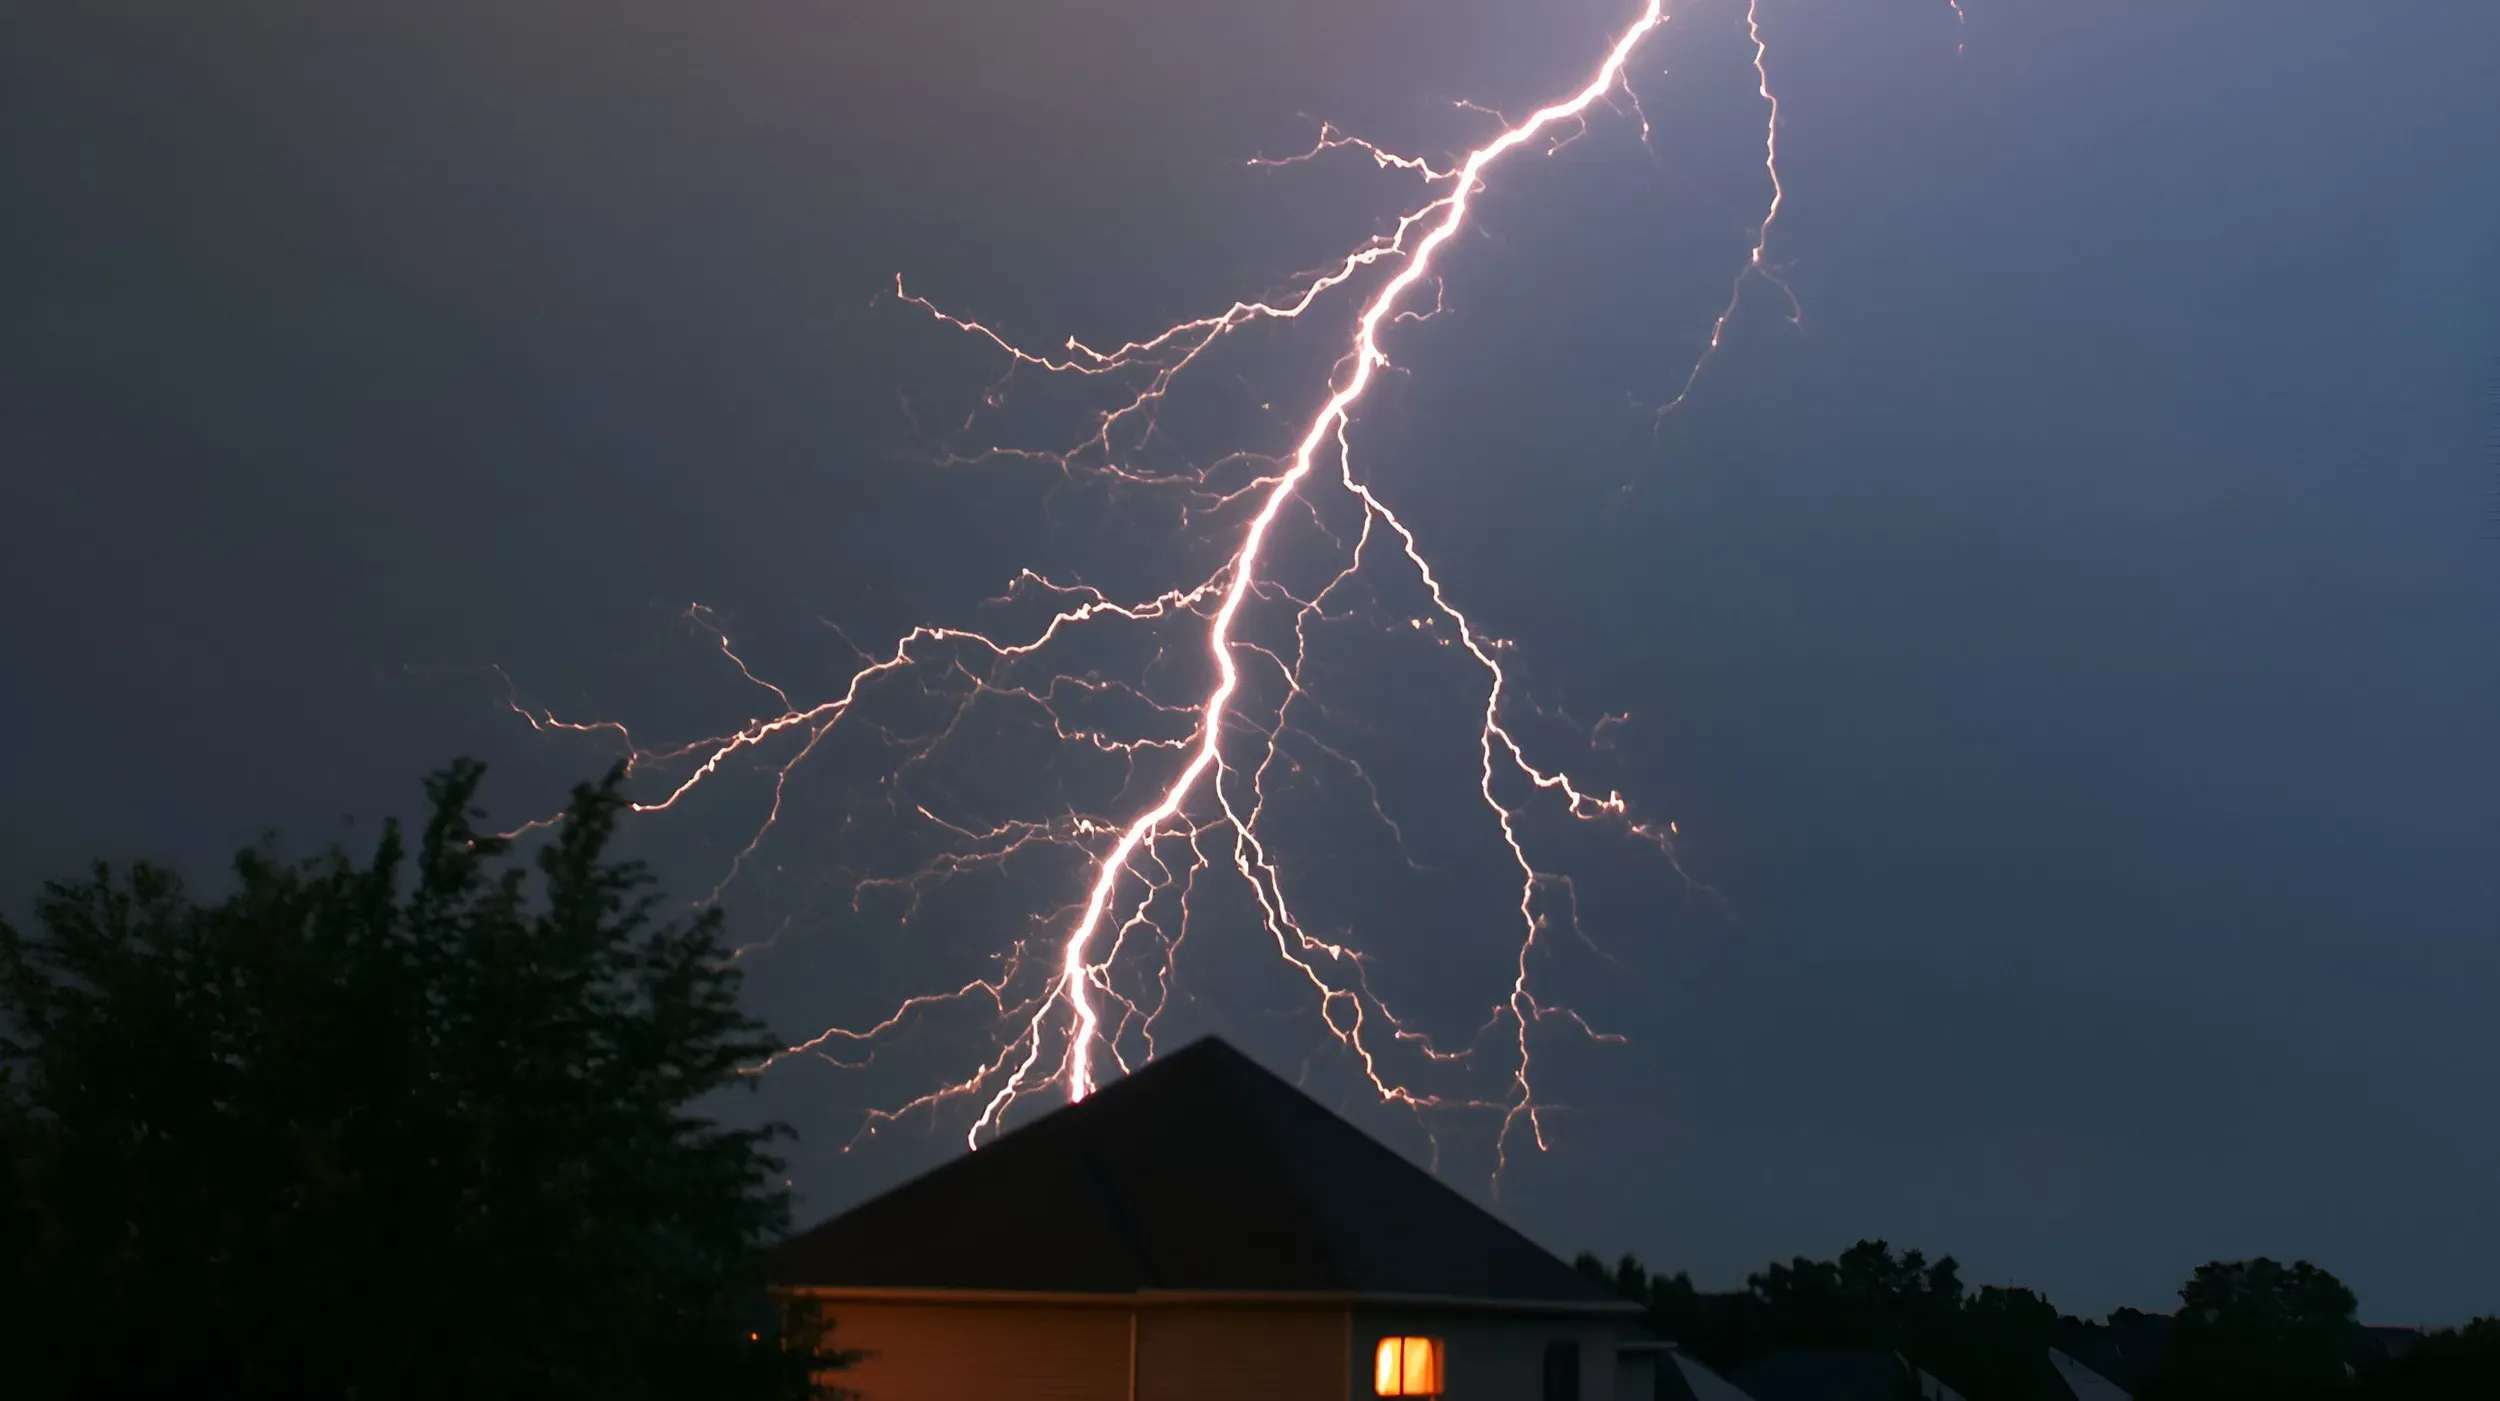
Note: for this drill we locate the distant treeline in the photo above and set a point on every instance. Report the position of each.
(2253, 1329)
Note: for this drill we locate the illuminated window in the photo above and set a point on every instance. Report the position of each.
(1407, 1367)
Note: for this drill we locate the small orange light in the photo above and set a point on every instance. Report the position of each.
(1407, 1367)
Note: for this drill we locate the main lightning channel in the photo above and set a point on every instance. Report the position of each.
(1070, 990)
(1077, 1068)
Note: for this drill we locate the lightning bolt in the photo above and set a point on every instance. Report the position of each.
(1069, 1001)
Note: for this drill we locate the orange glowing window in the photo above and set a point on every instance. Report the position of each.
(1407, 1367)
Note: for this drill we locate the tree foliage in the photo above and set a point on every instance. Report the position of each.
(2246, 1329)
(412, 1126)
(1869, 1297)
(2452, 1364)
(2259, 1329)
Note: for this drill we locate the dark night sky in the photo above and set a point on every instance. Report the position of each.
(2072, 654)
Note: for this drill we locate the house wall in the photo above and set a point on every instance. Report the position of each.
(1490, 1357)
(1238, 1354)
(1636, 1375)
(1203, 1352)
(951, 1352)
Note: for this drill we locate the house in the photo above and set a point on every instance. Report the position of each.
(1837, 1374)
(1680, 1377)
(1202, 1230)
(2080, 1383)
(2122, 1354)
(2381, 1343)
(2124, 1349)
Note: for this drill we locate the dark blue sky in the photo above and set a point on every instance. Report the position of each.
(2071, 654)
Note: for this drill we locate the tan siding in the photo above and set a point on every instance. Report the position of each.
(968, 1352)
(1257, 1354)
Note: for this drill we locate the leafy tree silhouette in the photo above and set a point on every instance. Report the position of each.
(1988, 1345)
(416, 1126)
(2258, 1329)
(2459, 1364)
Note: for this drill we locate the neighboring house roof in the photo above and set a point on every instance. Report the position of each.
(1202, 1172)
(2081, 1382)
(2124, 1349)
(1680, 1378)
(1836, 1374)
(2391, 1340)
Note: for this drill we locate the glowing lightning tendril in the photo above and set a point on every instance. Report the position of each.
(1212, 802)
(1754, 264)
(1077, 1072)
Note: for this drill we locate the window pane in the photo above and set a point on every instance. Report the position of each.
(1407, 1367)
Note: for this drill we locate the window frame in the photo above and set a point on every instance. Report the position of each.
(1393, 1365)
(1559, 1377)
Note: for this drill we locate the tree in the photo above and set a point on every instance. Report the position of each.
(2452, 1364)
(2000, 1347)
(1628, 1277)
(404, 1128)
(1991, 1345)
(1867, 1298)
(2258, 1329)
(1722, 1330)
